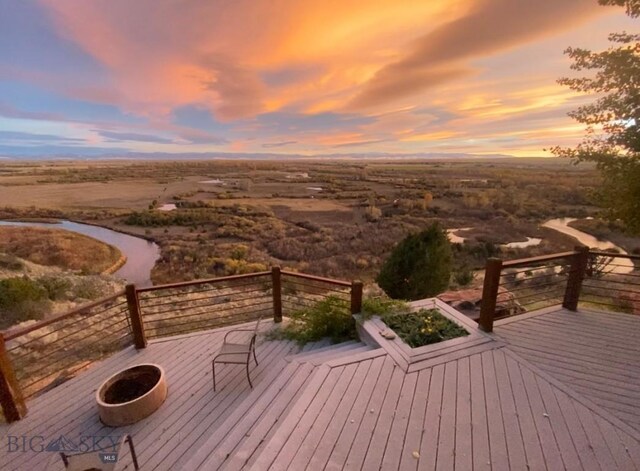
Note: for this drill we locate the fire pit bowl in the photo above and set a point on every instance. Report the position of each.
(131, 394)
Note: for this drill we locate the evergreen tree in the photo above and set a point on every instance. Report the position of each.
(419, 266)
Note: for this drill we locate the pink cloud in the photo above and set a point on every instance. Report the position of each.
(242, 58)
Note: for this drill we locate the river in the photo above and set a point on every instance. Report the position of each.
(141, 254)
(622, 265)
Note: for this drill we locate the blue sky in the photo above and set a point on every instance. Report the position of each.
(317, 77)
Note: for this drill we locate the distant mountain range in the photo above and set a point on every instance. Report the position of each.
(249, 156)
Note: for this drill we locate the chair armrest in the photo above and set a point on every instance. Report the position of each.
(247, 352)
(236, 330)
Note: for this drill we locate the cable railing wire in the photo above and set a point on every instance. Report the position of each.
(195, 304)
(71, 322)
(183, 291)
(58, 339)
(209, 315)
(54, 349)
(149, 306)
(206, 323)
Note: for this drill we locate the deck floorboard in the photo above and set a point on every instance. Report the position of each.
(594, 353)
(545, 393)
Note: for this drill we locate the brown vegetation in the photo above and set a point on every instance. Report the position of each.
(335, 218)
(56, 247)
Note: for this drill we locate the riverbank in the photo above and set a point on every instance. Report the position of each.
(608, 231)
(136, 255)
(60, 248)
(31, 292)
(84, 222)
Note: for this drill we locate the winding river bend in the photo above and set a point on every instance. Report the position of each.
(622, 265)
(141, 254)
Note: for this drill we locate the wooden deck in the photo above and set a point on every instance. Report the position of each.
(485, 411)
(597, 354)
(168, 437)
(485, 403)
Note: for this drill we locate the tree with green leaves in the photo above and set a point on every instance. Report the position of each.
(419, 266)
(612, 139)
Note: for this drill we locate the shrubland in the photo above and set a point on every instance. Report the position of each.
(346, 230)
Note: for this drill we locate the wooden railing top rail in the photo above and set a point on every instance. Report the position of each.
(204, 282)
(11, 334)
(317, 278)
(523, 262)
(615, 254)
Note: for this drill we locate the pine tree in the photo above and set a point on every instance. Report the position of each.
(419, 266)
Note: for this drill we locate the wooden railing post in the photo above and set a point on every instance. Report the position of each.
(490, 294)
(139, 339)
(577, 271)
(356, 297)
(11, 400)
(276, 281)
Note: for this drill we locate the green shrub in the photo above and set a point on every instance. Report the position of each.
(382, 307)
(10, 262)
(56, 288)
(21, 299)
(86, 288)
(18, 289)
(464, 276)
(424, 327)
(330, 317)
(419, 266)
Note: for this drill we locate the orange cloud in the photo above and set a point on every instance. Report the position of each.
(432, 136)
(413, 69)
(161, 54)
(488, 27)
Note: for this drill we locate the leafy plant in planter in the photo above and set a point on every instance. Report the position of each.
(382, 306)
(330, 317)
(423, 327)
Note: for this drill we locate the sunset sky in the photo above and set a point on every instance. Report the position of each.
(307, 77)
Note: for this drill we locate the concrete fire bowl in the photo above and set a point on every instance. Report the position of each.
(131, 394)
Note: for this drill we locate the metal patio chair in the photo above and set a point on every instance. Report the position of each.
(237, 353)
(98, 459)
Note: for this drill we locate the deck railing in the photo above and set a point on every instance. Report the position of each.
(301, 291)
(36, 358)
(181, 308)
(612, 282)
(39, 356)
(578, 278)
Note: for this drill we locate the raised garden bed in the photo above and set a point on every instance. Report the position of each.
(407, 338)
(423, 327)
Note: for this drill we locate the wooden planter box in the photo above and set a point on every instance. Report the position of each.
(412, 359)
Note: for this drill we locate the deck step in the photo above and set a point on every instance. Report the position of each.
(304, 353)
(333, 352)
(309, 346)
(330, 357)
